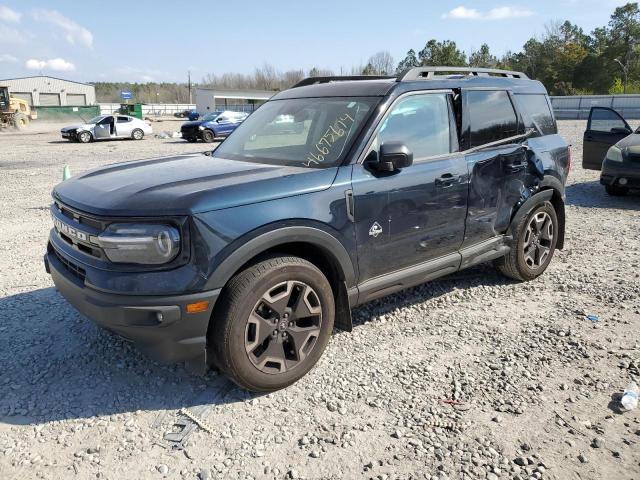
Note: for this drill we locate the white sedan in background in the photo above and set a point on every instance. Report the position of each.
(107, 127)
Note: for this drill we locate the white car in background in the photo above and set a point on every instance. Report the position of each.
(107, 127)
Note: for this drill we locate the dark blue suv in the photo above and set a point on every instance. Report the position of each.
(335, 192)
(212, 125)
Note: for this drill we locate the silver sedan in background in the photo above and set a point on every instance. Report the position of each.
(107, 127)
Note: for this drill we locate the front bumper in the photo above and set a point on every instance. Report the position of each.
(159, 325)
(612, 172)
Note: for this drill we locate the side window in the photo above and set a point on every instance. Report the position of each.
(491, 117)
(605, 120)
(535, 110)
(106, 121)
(123, 119)
(421, 122)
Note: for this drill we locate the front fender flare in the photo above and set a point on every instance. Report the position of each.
(288, 234)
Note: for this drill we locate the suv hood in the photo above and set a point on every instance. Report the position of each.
(195, 123)
(185, 184)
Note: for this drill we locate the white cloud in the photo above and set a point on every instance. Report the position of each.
(74, 33)
(498, 13)
(57, 64)
(7, 58)
(8, 15)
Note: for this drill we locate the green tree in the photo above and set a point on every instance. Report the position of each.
(483, 58)
(443, 53)
(409, 61)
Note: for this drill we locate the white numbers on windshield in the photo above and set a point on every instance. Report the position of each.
(325, 145)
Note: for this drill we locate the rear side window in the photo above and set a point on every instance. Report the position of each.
(123, 119)
(535, 111)
(605, 120)
(491, 117)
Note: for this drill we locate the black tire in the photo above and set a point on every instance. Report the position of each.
(616, 190)
(208, 136)
(137, 134)
(84, 137)
(234, 337)
(525, 261)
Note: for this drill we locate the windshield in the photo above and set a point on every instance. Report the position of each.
(210, 116)
(301, 132)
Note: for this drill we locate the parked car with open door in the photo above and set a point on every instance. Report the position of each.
(611, 146)
(107, 127)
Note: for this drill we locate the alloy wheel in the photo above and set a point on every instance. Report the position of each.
(283, 327)
(538, 240)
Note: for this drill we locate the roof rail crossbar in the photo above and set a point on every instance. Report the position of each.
(339, 78)
(428, 73)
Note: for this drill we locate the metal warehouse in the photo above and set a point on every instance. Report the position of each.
(210, 99)
(50, 91)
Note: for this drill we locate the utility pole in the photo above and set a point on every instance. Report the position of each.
(626, 74)
(189, 83)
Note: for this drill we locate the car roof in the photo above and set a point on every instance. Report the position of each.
(382, 87)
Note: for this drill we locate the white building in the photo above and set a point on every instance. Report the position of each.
(211, 99)
(50, 91)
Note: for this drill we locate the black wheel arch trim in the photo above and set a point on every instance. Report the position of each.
(346, 291)
(251, 248)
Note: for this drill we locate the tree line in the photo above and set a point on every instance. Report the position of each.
(564, 58)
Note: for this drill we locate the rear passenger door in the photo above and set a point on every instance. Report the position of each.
(123, 126)
(605, 128)
(497, 167)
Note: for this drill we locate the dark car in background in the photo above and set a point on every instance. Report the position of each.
(333, 193)
(190, 114)
(611, 146)
(212, 125)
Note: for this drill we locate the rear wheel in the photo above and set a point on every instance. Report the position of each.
(137, 134)
(20, 121)
(273, 324)
(208, 136)
(535, 239)
(84, 137)
(616, 190)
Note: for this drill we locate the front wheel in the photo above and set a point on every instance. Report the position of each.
(616, 191)
(137, 134)
(273, 323)
(84, 137)
(208, 136)
(535, 239)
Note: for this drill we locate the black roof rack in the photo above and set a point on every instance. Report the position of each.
(428, 73)
(339, 78)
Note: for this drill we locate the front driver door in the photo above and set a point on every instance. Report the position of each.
(103, 129)
(408, 217)
(605, 128)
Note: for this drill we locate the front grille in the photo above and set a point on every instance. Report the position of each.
(71, 267)
(189, 131)
(632, 157)
(79, 217)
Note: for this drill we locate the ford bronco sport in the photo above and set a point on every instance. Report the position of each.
(335, 192)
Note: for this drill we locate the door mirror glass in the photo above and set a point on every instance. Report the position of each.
(393, 156)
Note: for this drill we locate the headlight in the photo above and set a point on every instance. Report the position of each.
(200, 127)
(614, 154)
(140, 243)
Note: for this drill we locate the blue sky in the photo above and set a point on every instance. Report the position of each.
(156, 40)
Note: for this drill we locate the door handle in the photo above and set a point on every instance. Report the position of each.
(446, 180)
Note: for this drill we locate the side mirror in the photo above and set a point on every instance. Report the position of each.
(393, 157)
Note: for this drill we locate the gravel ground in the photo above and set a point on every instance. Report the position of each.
(470, 376)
